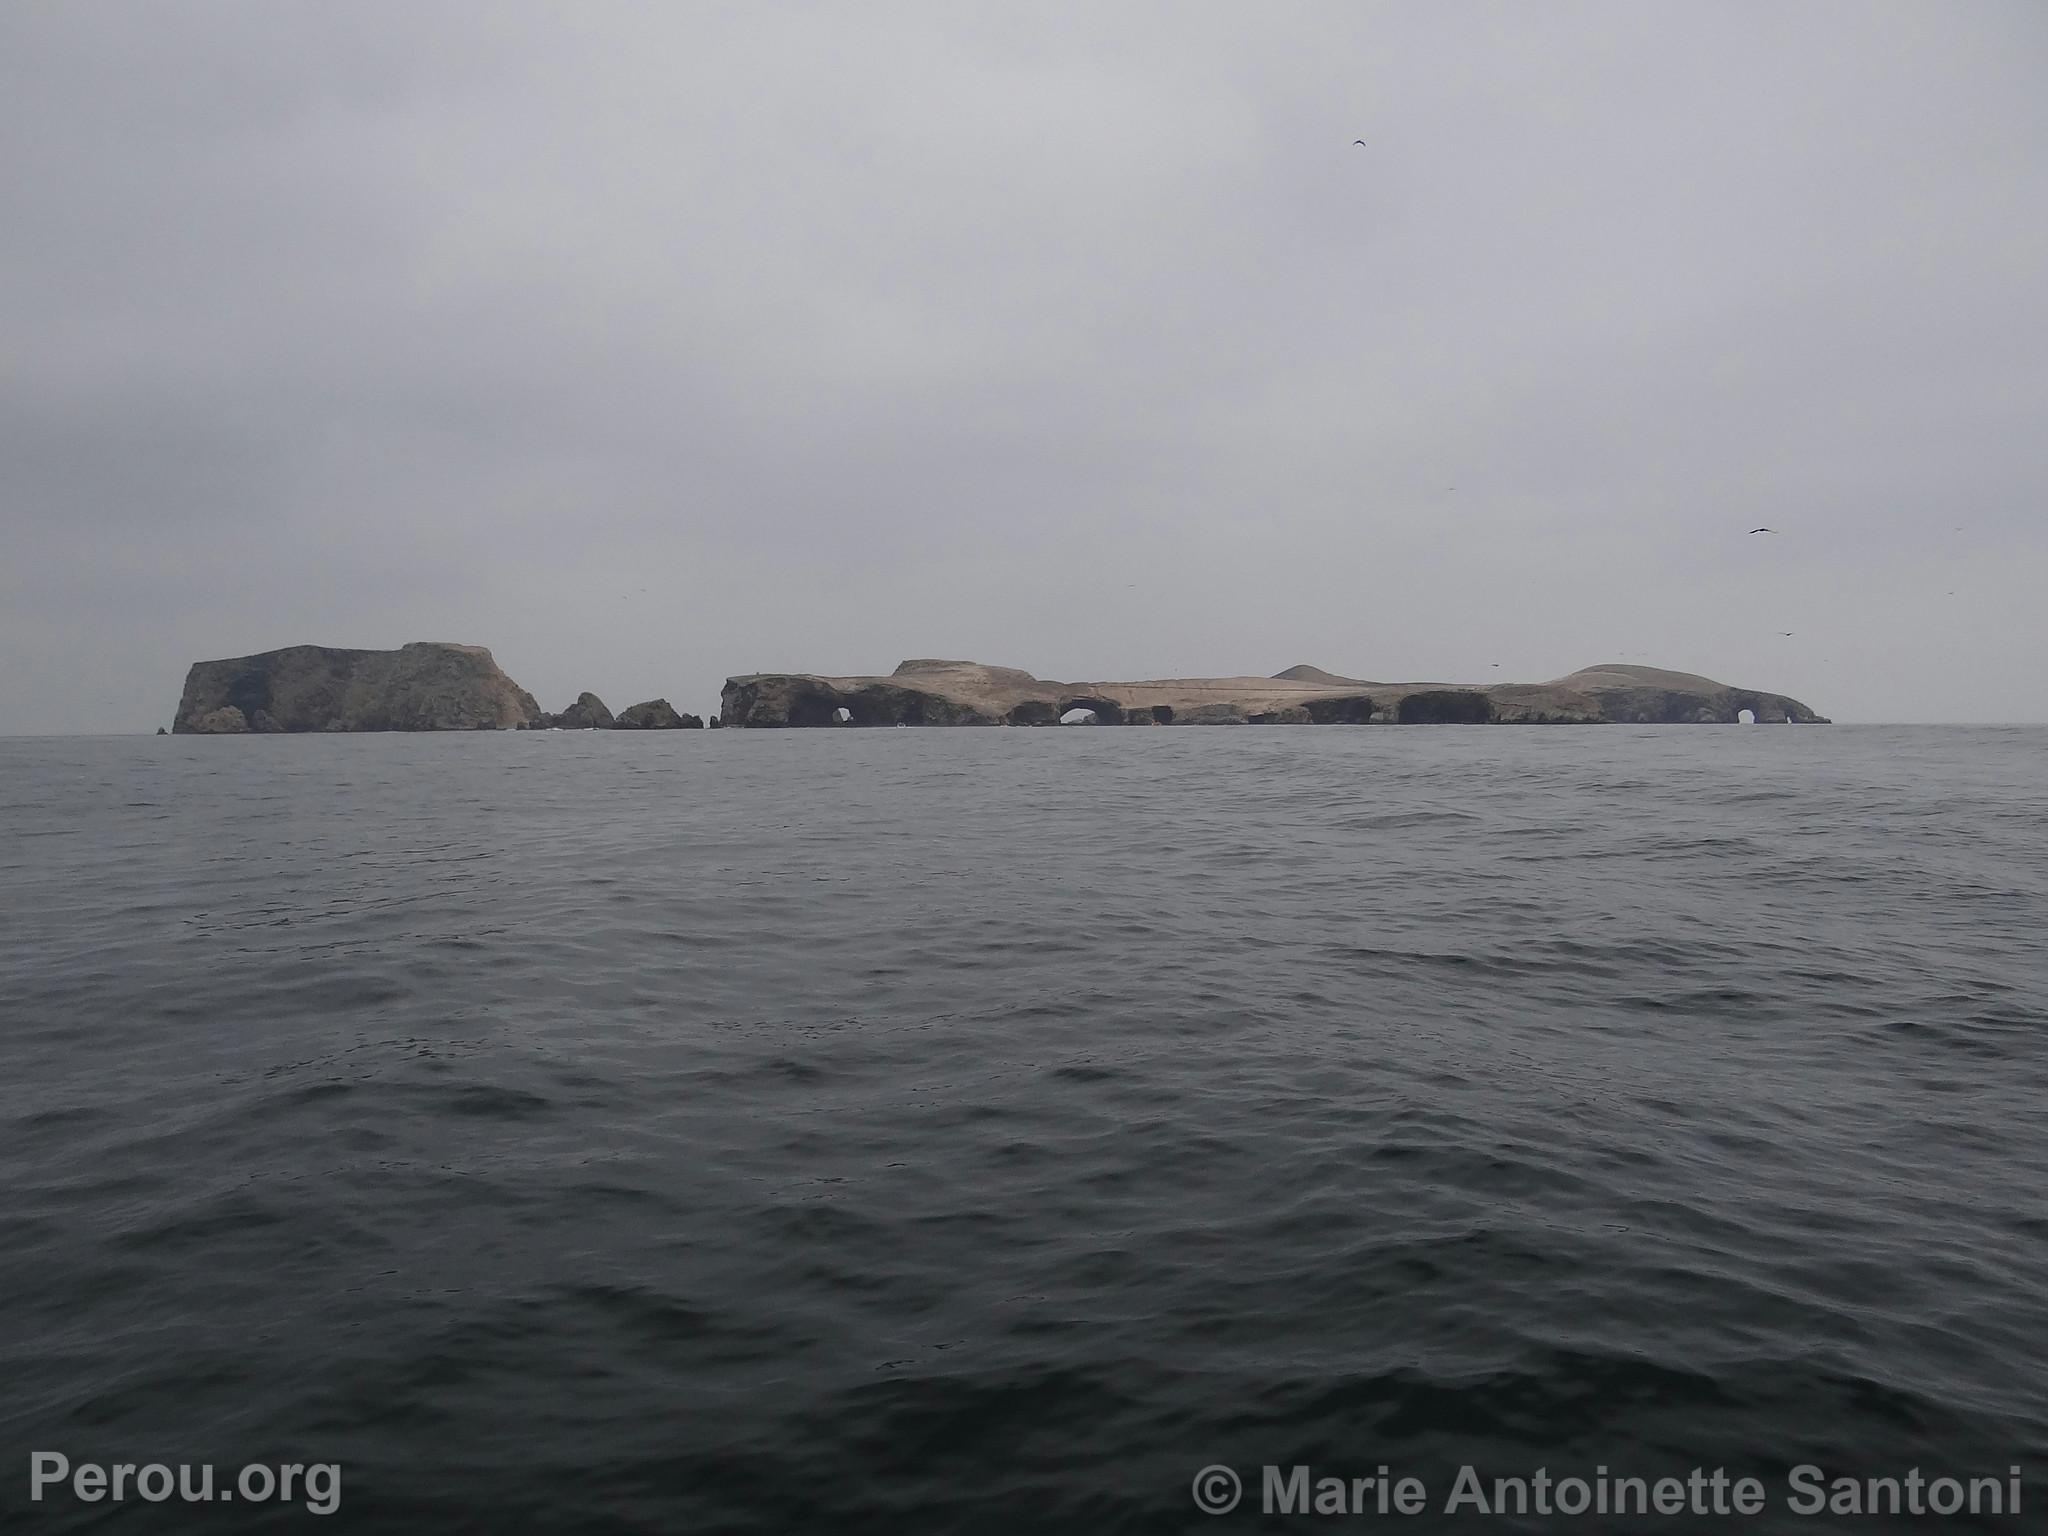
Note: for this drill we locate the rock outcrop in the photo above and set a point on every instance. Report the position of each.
(586, 714)
(425, 686)
(655, 715)
(968, 693)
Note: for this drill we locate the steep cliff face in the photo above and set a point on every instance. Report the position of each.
(967, 693)
(425, 686)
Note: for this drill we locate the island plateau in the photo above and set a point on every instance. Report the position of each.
(934, 692)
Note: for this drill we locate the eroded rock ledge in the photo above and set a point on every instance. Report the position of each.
(967, 693)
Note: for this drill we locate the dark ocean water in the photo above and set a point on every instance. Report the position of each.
(986, 1130)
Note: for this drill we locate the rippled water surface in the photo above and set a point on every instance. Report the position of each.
(985, 1130)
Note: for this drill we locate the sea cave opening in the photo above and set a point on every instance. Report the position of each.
(1444, 706)
(1079, 716)
(1745, 717)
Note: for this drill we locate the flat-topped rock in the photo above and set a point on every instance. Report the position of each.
(425, 686)
(934, 692)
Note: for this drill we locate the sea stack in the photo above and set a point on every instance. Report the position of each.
(588, 713)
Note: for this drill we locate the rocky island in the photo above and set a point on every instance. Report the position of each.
(425, 686)
(436, 686)
(969, 693)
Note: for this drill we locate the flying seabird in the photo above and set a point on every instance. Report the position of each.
(1358, 141)
(1763, 530)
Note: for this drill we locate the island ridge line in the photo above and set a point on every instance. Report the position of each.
(438, 686)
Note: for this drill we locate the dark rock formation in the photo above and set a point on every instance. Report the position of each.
(772, 700)
(1653, 696)
(967, 693)
(425, 686)
(161, 731)
(586, 714)
(654, 715)
(1444, 706)
(1340, 709)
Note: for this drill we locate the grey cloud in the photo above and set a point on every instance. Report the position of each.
(646, 344)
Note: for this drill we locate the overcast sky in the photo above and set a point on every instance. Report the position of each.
(649, 344)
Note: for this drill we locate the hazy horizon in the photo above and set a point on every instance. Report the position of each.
(646, 347)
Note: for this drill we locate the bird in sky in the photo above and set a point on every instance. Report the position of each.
(1786, 633)
(1763, 530)
(1358, 141)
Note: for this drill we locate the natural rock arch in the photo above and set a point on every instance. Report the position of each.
(1106, 711)
(1764, 708)
(814, 705)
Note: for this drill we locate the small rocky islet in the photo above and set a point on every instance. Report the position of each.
(439, 686)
